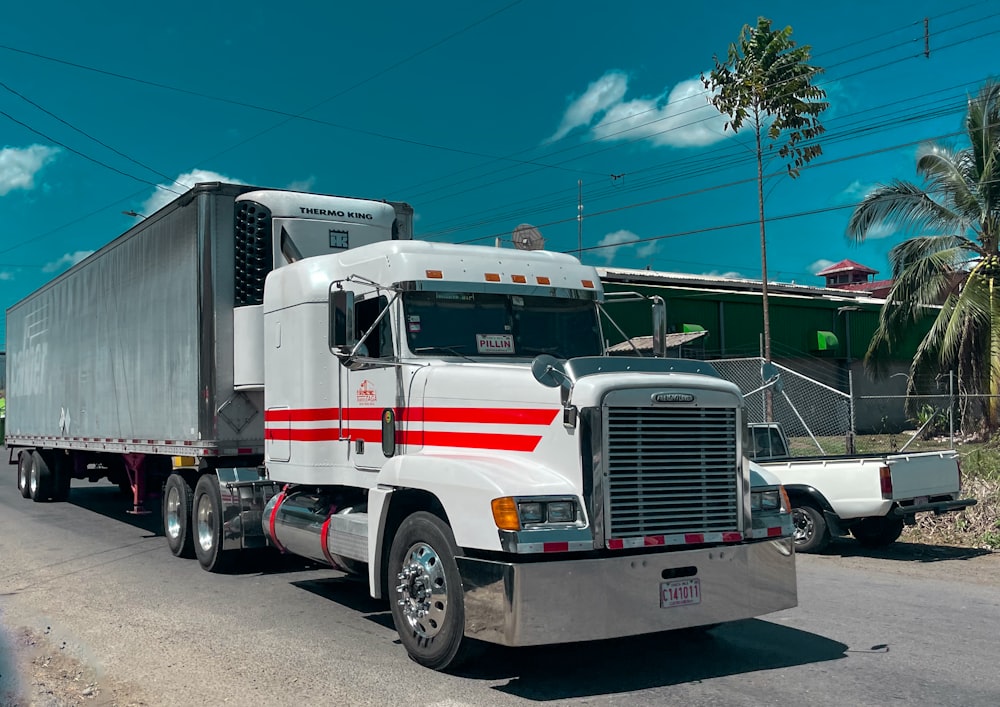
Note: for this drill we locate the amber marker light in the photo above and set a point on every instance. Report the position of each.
(434, 274)
(505, 513)
(519, 278)
(492, 277)
(588, 283)
(542, 280)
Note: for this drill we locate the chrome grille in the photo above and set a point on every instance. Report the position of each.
(671, 470)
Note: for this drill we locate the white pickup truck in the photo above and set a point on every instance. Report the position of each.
(871, 496)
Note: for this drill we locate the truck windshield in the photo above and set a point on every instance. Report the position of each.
(488, 324)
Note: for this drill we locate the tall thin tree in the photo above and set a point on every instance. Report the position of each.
(766, 85)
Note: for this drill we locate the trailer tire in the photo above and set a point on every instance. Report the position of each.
(877, 531)
(429, 607)
(24, 472)
(178, 497)
(40, 481)
(206, 525)
(810, 529)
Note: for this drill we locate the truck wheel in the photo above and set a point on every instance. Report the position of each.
(23, 473)
(429, 608)
(40, 481)
(177, 503)
(877, 532)
(811, 533)
(206, 522)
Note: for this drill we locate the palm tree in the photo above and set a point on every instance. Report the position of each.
(951, 258)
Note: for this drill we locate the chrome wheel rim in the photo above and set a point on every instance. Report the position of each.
(206, 525)
(423, 590)
(33, 479)
(804, 526)
(172, 520)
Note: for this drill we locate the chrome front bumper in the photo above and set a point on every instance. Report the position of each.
(583, 600)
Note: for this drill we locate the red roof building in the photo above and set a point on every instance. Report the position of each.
(849, 275)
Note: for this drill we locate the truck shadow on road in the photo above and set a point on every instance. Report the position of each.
(575, 670)
(644, 662)
(904, 551)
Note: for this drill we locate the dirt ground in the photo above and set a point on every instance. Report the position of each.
(40, 672)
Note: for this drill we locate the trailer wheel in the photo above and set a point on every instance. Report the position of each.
(877, 531)
(810, 530)
(429, 608)
(40, 479)
(23, 473)
(177, 503)
(206, 516)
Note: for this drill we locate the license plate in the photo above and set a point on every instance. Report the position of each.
(680, 592)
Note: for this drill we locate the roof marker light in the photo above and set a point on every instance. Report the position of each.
(542, 280)
(492, 277)
(434, 274)
(519, 278)
(588, 283)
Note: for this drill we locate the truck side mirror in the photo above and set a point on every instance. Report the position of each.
(342, 338)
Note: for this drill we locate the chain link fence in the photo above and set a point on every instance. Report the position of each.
(819, 419)
(815, 417)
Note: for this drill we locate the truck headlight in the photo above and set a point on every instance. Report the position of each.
(769, 500)
(511, 513)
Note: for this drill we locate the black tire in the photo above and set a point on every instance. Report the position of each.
(206, 525)
(878, 532)
(810, 530)
(23, 472)
(428, 607)
(178, 497)
(40, 478)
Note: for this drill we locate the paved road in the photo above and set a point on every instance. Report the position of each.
(910, 626)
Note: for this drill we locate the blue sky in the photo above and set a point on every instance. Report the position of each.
(481, 115)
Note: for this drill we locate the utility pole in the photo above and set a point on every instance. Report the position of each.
(579, 218)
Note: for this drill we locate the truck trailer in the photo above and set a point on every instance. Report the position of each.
(290, 370)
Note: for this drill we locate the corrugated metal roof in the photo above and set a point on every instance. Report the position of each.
(645, 343)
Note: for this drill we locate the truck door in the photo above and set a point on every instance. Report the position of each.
(372, 384)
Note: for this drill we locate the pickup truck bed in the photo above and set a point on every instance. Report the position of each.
(871, 496)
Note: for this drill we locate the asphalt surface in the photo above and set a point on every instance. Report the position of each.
(87, 583)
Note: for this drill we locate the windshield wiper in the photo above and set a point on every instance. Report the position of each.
(453, 350)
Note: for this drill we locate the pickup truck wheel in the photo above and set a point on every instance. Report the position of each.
(877, 532)
(23, 472)
(178, 498)
(810, 531)
(429, 607)
(206, 523)
(40, 481)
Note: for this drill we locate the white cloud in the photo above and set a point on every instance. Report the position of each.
(880, 230)
(302, 184)
(855, 191)
(67, 261)
(818, 265)
(599, 96)
(18, 166)
(729, 274)
(165, 193)
(679, 117)
(615, 242)
(6, 275)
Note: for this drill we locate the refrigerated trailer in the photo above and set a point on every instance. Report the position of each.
(293, 370)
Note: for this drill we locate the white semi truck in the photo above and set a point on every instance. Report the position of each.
(293, 370)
